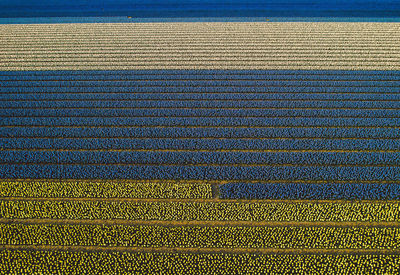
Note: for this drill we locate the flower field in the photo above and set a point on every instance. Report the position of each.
(121, 262)
(280, 237)
(200, 148)
(203, 211)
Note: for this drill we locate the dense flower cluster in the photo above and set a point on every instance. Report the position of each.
(205, 112)
(257, 211)
(201, 172)
(206, 158)
(252, 144)
(200, 121)
(199, 132)
(105, 189)
(25, 262)
(309, 191)
(296, 237)
(199, 80)
(192, 104)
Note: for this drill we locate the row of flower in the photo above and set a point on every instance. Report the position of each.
(210, 158)
(204, 73)
(204, 112)
(309, 191)
(292, 237)
(105, 189)
(251, 144)
(202, 211)
(206, 171)
(233, 122)
(200, 132)
(201, 81)
(70, 262)
(215, 89)
(91, 102)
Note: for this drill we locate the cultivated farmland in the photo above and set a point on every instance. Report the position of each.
(200, 148)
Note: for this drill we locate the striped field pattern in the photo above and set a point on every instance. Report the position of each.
(208, 148)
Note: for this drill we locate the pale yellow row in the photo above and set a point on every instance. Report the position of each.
(354, 46)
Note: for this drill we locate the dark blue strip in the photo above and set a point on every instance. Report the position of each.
(200, 96)
(161, 104)
(144, 172)
(199, 144)
(200, 122)
(13, 93)
(305, 191)
(129, 19)
(172, 132)
(200, 8)
(206, 158)
(266, 113)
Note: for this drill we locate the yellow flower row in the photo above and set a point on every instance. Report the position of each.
(201, 236)
(56, 262)
(106, 189)
(243, 211)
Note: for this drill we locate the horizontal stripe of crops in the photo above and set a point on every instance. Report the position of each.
(227, 45)
(200, 236)
(198, 83)
(196, 144)
(201, 122)
(200, 172)
(265, 211)
(59, 78)
(48, 261)
(265, 113)
(196, 104)
(204, 158)
(198, 132)
(304, 191)
(238, 95)
(161, 189)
